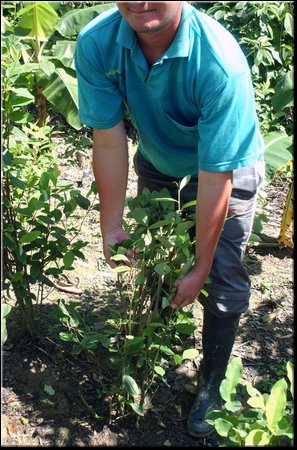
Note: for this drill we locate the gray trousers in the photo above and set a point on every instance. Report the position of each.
(229, 287)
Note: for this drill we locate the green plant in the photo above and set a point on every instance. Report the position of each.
(42, 46)
(143, 334)
(5, 310)
(265, 32)
(265, 421)
(40, 237)
(79, 332)
(278, 159)
(39, 234)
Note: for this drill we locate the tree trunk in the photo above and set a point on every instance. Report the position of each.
(41, 106)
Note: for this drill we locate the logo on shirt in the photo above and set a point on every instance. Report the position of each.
(116, 73)
(113, 72)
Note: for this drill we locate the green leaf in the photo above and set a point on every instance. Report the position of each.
(233, 376)
(7, 157)
(165, 302)
(120, 257)
(285, 425)
(64, 52)
(21, 117)
(148, 331)
(190, 353)
(290, 374)
(20, 97)
(36, 269)
(67, 337)
(5, 24)
(68, 259)
(63, 308)
(184, 182)
(187, 266)
(289, 24)
(162, 268)
(277, 152)
(234, 405)
(62, 93)
(184, 226)
(35, 204)
(137, 408)
(38, 19)
(257, 438)
(130, 385)
(73, 21)
(121, 269)
(48, 389)
(82, 201)
(189, 204)
(44, 181)
(47, 67)
(185, 328)
(24, 212)
(74, 322)
(29, 237)
(222, 427)
(178, 359)
(164, 199)
(163, 349)
(160, 224)
(140, 278)
(135, 345)
(284, 92)
(159, 370)
(140, 215)
(256, 402)
(252, 391)
(46, 219)
(276, 404)
(5, 310)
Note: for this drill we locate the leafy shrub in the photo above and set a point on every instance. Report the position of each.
(266, 420)
(40, 237)
(143, 334)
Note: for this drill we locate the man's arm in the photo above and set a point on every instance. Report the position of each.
(214, 190)
(110, 167)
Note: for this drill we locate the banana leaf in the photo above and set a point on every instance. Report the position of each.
(278, 152)
(72, 22)
(38, 19)
(62, 93)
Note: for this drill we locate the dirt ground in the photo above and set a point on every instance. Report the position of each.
(50, 397)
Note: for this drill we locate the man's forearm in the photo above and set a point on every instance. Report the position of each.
(110, 166)
(214, 192)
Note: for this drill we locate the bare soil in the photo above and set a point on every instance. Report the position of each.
(50, 396)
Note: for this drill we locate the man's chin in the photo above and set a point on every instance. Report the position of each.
(147, 28)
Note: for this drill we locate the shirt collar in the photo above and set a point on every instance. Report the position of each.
(179, 46)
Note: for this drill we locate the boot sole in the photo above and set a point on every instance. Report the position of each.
(201, 435)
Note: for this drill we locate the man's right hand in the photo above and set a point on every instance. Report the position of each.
(111, 238)
(117, 236)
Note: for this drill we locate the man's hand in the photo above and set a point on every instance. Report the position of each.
(116, 237)
(214, 190)
(188, 288)
(113, 237)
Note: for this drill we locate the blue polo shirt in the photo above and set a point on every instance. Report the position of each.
(194, 108)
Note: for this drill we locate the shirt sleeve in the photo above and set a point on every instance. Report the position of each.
(100, 103)
(228, 126)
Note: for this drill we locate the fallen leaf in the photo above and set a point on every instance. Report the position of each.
(12, 428)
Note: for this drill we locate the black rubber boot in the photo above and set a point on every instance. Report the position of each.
(218, 337)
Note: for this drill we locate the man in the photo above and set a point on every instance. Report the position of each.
(186, 85)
